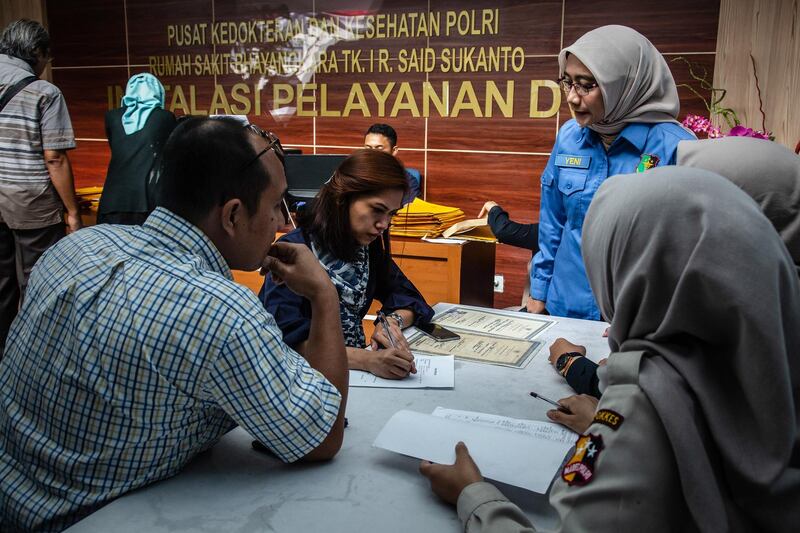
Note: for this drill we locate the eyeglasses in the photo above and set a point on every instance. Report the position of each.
(581, 88)
(273, 143)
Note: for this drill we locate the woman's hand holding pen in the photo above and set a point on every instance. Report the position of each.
(381, 340)
(392, 350)
(391, 363)
(582, 408)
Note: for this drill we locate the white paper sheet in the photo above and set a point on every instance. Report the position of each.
(526, 460)
(532, 428)
(442, 240)
(433, 372)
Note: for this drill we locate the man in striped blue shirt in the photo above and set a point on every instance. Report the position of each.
(135, 350)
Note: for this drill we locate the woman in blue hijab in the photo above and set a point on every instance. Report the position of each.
(136, 133)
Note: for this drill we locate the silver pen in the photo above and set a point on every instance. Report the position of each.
(382, 320)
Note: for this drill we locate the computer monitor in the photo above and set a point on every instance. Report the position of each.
(306, 173)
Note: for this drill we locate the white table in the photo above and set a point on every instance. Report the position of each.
(231, 487)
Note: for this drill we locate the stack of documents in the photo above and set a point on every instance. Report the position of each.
(421, 218)
(523, 453)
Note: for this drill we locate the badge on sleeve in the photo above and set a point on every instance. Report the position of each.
(579, 470)
(609, 418)
(647, 162)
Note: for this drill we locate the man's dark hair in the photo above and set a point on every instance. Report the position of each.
(385, 130)
(204, 164)
(24, 39)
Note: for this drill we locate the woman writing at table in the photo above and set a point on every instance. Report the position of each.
(346, 228)
(625, 103)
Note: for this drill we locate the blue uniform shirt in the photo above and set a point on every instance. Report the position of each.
(577, 167)
(414, 178)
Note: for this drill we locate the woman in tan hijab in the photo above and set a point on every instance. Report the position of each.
(698, 427)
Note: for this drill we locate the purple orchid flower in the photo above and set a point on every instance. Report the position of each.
(742, 131)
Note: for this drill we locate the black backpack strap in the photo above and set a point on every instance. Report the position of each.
(12, 91)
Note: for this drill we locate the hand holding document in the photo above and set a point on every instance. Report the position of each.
(523, 453)
(475, 229)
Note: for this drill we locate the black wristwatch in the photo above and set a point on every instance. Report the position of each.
(564, 358)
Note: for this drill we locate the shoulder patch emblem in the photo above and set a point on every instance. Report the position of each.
(647, 162)
(609, 418)
(579, 470)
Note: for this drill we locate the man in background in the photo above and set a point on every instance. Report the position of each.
(383, 137)
(36, 183)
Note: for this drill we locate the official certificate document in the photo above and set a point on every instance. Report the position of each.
(477, 347)
(492, 322)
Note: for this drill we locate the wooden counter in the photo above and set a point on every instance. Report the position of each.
(455, 273)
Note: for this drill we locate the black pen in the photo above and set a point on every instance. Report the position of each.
(558, 406)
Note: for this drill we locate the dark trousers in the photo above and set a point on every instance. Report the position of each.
(19, 250)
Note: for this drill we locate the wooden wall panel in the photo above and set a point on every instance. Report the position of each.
(349, 131)
(465, 160)
(85, 91)
(90, 162)
(770, 31)
(511, 180)
(77, 34)
(515, 134)
(533, 25)
(674, 27)
(11, 10)
(147, 21)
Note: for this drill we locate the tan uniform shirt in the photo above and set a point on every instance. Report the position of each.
(633, 480)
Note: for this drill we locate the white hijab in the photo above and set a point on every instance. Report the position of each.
(688, 269)
(635, 81)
